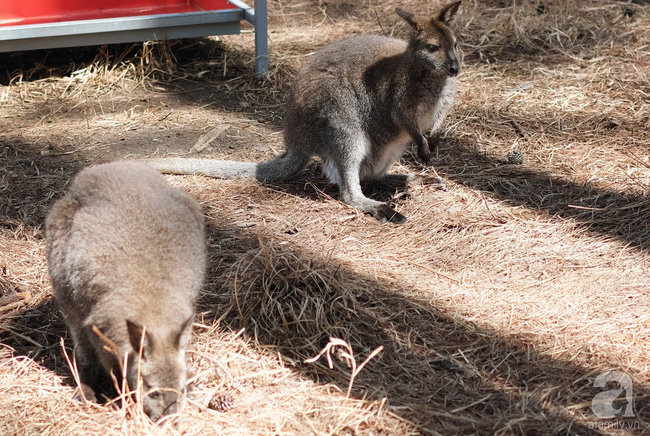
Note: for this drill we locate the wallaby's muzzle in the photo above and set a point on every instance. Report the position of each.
(454, 68)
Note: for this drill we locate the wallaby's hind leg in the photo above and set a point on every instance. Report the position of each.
(348, 166)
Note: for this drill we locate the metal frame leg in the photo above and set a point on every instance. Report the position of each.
(261, 38)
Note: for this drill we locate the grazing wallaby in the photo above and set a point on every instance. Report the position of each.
(126, 254)
(356, 104)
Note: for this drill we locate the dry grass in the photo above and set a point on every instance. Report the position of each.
(494, 308)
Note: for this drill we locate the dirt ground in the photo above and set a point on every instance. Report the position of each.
(493, 310)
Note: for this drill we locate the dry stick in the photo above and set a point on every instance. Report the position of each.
(165, 117)
(207, 138)
(467, 406)
(379, 22)
(109, 345)
(349, 356)
(124, 391)
(419, 265)
(73, 367)
(139, 383)
(11, 306)
(515, 125)
(112, 348)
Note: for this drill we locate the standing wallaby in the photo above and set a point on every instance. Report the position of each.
(356, 104)
(126, 253)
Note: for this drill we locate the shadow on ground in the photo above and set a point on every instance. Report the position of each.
(200, 72)
(446, 375)
(616, 214)
(500, 383)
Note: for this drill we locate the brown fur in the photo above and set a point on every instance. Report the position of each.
(357, 103)
(126, 253)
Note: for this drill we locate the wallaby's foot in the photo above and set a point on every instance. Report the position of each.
(425, 156)
(436, 182)
(385, 214)
(84, 393)
(414, 179)
(379, 210)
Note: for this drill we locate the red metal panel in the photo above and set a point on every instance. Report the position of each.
(20, 12)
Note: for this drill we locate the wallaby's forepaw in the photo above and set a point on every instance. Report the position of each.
(436, 182)
(385, 213)
(425, 153)
(433, 141)
(189, 390)
(425, 157)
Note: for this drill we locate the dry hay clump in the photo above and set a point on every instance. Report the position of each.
(296, 303)
(226, 63)
(159, 60)
(507, 30)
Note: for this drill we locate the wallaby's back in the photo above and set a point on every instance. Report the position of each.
(125, 245)
(352, 78)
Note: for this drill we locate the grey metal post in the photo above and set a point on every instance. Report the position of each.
(261, 38)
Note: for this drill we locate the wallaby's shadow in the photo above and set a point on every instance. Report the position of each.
(617, 214)
(36, 333)
(32, 183)
(312, 184)
(439, 372)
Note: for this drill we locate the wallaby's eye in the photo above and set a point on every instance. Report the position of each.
(432, 48)
(154, 395)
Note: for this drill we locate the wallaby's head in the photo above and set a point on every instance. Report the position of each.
(162, 368)
(433, 42)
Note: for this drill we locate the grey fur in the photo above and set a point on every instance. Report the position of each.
(126, 253)
(357, 103)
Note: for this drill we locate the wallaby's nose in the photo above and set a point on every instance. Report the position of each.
(454, 68)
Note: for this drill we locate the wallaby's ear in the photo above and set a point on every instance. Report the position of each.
(135, 337)
(409, 18)
(184, 334)
(447, 14)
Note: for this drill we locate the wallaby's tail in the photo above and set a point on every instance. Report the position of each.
(279, 168)
(222, 169)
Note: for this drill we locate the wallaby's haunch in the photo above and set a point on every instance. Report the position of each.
(126, 254)
(356, 104)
